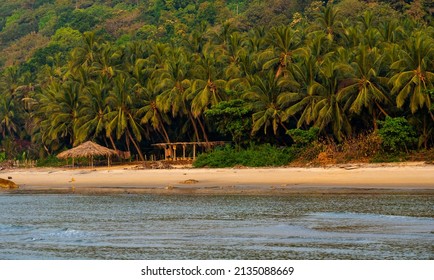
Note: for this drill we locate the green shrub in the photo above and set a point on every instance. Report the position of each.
(2, 156)
(50, 161)
(303, 138)
(254, 156)
(397, 135)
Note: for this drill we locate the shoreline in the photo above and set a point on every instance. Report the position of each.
(408, 178)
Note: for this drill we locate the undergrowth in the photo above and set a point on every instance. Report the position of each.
(254, 156)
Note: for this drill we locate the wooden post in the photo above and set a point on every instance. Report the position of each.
(194, 151)
(183, 151)
(174, 152)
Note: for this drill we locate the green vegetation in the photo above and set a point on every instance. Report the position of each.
(254, 156)
(261, 74)
(397, 135)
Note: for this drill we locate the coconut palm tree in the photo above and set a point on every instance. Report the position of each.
(149, 112)
(265, 94)
(365, 88)
(320, 105)
(284, 43)
(86, 54)
(328, 111)
(121, 119)
(92, 122)
(413, 72)
(174, 82)
(208, 87)
(9, 123)
(59, 105)
(327, 21)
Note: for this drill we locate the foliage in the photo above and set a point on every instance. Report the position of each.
(128, 74)
(254, 156)
(303, 138)
(50, 161)
(231, 118)
(396, 134)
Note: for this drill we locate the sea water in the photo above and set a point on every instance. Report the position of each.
(216, 227)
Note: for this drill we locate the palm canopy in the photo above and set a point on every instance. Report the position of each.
(414, 72)
(365, 88)
(265, 94)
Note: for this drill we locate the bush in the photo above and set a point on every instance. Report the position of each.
(255, 156)
(303, 138)
(397, 135)
(51, 161)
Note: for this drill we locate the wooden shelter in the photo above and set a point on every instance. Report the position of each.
(171, 148)
(88, 149)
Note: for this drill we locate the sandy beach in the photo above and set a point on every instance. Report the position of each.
(356, 178)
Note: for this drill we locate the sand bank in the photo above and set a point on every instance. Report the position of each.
(399, 178)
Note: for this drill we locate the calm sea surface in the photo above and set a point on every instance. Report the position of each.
(216, 227)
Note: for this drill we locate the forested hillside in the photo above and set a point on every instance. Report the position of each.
(128, 74)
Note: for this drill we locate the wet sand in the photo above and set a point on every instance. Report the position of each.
(405, 178)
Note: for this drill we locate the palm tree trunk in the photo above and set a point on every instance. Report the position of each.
(284, 126)
(135, 145)
(113, 143)
(165, 135)
(205, 136)
(381, 109)
(196, 131)
(374, 117)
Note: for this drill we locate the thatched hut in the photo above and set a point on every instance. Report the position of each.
(87, 150)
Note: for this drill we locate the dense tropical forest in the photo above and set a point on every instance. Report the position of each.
(285, 78)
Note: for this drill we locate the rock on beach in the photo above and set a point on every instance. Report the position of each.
(7, 184)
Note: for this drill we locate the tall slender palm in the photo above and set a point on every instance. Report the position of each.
(328, 111)
(121, 119)
(307, 72)
(92, 120)
(149, 112)
(208, 87)
(174, 82)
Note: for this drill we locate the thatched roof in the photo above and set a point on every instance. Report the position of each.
(87, 149)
